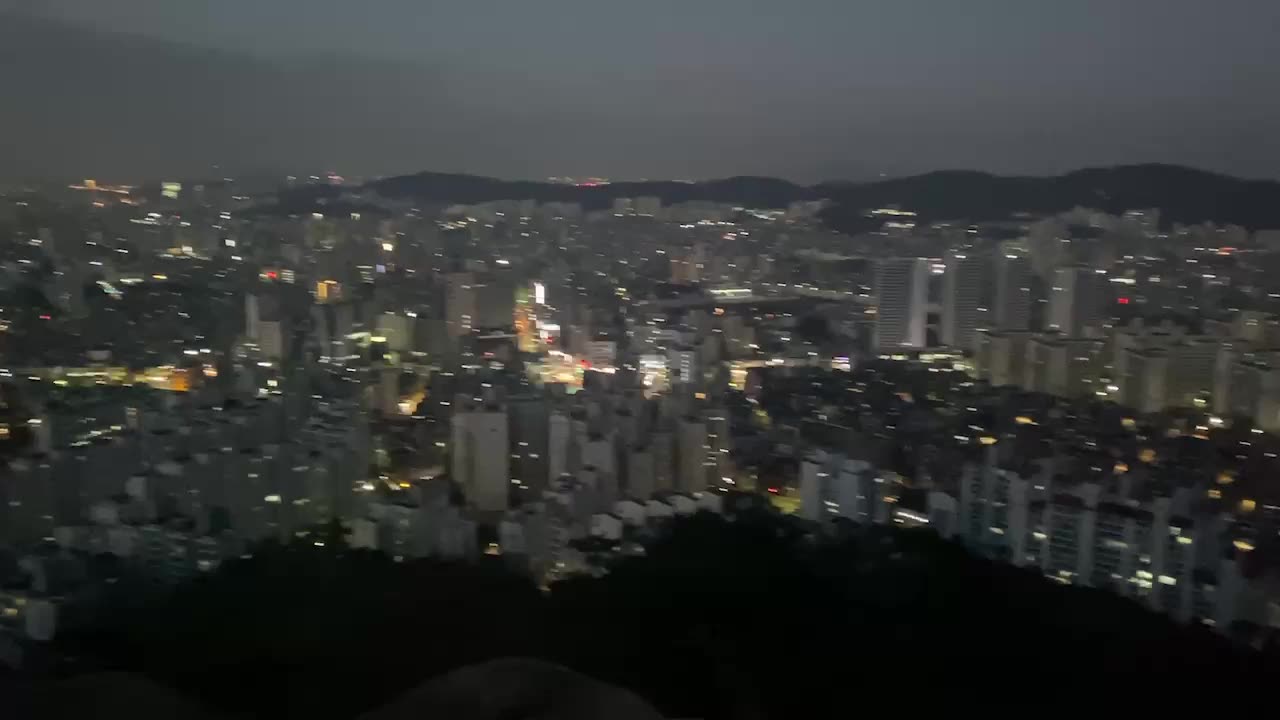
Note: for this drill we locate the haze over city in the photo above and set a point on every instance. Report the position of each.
(807, 90)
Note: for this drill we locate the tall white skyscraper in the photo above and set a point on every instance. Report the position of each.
(481, 458)
(962, 311)
(1011, 304)
(902, 295)
(1075, 302)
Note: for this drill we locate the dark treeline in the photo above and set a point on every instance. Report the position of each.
(750, 618)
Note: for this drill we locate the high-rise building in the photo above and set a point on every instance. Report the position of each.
(1011, 304)
(481, 457)
(640, 473)
(691, 455)
(495, 302)
(902, 294)
(559, 432)
(598, 452)
(662, 445)
(994, 512)
(397, 329)
(1143, 382)
(682, 365)
(389, 391)
(1066, 367)
(963, 313)
(460, 304)
(718, 442)
(252, 314)
(530, 432)
(1192, 363)
(1180, 373)
(1075, 301)
(814, 474)
(1255, 393)
(457, 246)
(272, 338)
(1000, 356)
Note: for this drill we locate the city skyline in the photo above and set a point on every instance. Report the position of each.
(306, 412)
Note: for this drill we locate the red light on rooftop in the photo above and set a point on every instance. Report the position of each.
(1123, 300)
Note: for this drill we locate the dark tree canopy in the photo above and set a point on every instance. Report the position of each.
(751, 618)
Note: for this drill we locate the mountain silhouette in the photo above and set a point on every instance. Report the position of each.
(1183, 195)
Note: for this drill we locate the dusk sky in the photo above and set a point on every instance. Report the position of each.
(807, 89)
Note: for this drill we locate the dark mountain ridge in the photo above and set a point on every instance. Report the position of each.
(1181, 194)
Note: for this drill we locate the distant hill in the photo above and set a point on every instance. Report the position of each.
(1183, 195)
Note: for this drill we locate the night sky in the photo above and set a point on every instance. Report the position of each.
(805, 89)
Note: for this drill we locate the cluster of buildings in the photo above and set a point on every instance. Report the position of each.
(1087, 303)
(188, 379)
(1117, 531)
(192, 372)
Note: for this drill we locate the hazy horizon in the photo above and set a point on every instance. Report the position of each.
(808, 92)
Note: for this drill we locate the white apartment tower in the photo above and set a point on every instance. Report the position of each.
(902, 295)
(1011, 306)
(963, 313)
(1075, 302)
